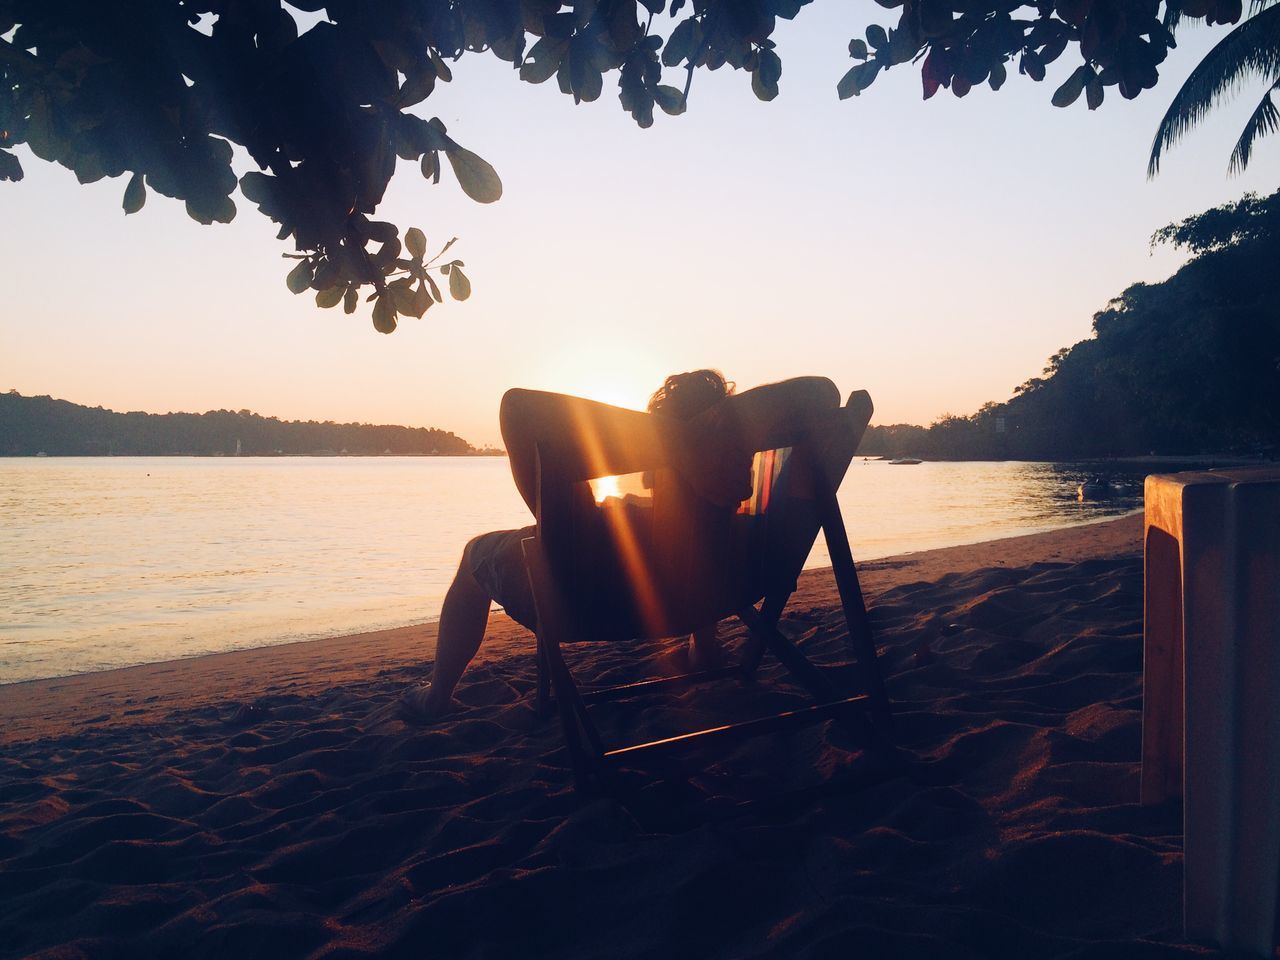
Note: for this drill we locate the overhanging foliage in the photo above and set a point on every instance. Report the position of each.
(320, 94)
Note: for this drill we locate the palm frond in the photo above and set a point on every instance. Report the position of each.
(1250, 49)
(1257, 6)
(1264, 120)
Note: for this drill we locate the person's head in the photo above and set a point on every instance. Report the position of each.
(685, 395)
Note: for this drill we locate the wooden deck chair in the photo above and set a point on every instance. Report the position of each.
(620, 569)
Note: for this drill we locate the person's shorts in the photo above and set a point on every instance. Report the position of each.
(497, 562)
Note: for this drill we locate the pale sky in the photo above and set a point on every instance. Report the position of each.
(934, 253)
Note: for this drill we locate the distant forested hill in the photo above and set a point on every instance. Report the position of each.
(29, 425)
(1190, 365)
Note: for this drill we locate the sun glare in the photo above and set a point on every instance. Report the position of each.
(602, 488)
(607, 372)
(609, 390)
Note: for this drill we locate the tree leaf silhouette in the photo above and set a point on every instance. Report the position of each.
(10, 167)
(415, 242)
(669, 99)
(401, 293)
(135, 194)
(420, 301)
(330, 298)
(431, 166)
(384, 314)
(476, 176)
(459, 285)
(299, 277)
(1070, 91)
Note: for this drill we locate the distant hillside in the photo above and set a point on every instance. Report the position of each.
(1187, 366)
(30, 425)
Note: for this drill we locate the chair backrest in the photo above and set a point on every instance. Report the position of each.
(644, 556)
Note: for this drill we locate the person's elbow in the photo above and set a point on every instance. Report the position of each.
(814, 392)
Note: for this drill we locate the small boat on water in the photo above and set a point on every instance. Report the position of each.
(904, 462)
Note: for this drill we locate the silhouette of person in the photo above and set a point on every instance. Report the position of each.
(695, 420)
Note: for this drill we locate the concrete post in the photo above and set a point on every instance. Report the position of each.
(1211, 693)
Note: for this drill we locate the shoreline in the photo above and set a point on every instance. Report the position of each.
(319, 633)
(143, 693)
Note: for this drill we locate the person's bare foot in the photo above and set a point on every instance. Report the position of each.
(415, 705)
(423, 705)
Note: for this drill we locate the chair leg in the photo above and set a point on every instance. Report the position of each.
(542, 699)
(854, 606)
(553, 675)
(578, 759)
(757, 641)
(568, 694)
(810, 677)
(573, 713)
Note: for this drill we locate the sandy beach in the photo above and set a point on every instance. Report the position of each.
(243, 805)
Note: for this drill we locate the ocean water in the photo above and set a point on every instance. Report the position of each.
(109, 562)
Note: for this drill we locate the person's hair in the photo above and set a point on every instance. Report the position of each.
(685, 395)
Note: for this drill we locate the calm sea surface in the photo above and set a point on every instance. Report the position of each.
(107, 562)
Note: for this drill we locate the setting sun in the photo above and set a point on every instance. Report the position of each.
(606, 369)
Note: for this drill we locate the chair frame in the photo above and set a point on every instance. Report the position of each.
(866, 714)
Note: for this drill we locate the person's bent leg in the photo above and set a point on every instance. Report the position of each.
(463, 619)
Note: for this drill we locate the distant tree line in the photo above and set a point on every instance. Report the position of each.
(1190, 365)
(30, 425)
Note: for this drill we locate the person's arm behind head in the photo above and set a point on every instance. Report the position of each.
(587, 439)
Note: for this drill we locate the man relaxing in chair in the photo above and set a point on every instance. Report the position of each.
(707, 432)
